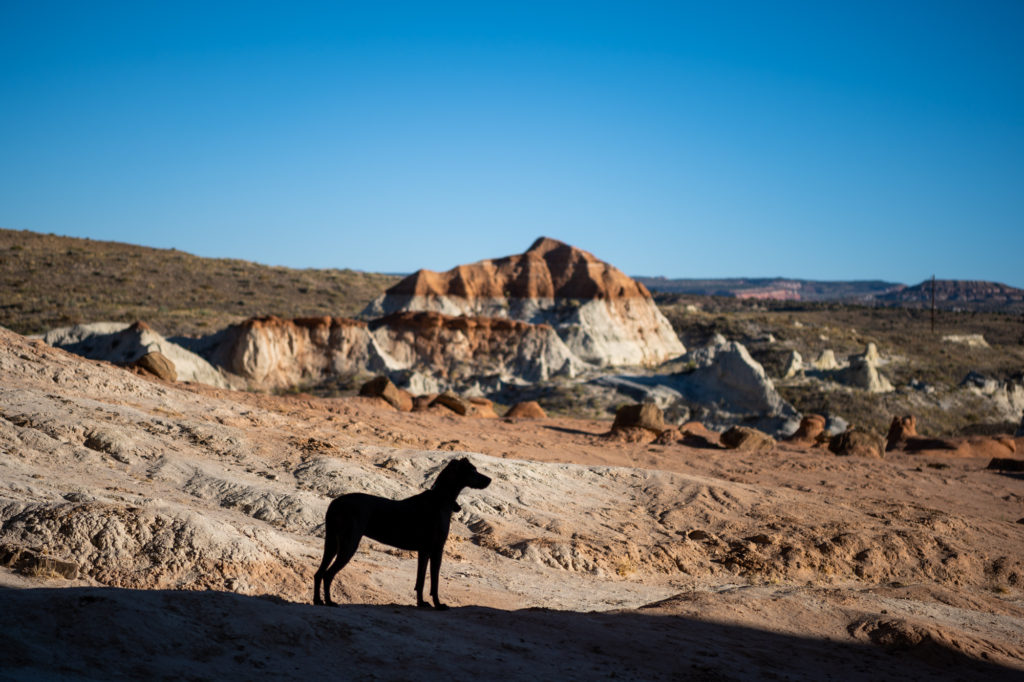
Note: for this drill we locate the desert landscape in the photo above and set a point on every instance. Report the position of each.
(685, 486)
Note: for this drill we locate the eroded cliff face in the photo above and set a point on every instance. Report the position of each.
(604, 317)
(270, 353)
(457, 348)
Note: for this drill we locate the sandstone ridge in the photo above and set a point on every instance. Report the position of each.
(605, 317)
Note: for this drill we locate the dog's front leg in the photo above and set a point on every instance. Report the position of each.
(421, 574)
(435, 572)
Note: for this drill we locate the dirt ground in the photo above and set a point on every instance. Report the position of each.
(153, 530)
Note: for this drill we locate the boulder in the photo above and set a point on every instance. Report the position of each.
(901, 429)
(746, 439)
(811, 427)
(529, 409)
(855, 442)
(669, 436)
(696, 435)
(157, 364)
(483, 408)
(455, 403)
(423, 402)
(644, 416)
(381, 387)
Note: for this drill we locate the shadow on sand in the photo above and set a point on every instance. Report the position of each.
(109, 633)
(574, 432)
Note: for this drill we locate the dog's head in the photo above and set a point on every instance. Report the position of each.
(462, 473)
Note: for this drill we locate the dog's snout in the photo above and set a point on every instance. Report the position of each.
(482, 481)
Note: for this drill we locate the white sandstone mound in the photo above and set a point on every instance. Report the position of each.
(605, 317)
(123, 344)
(862, 372)
(735, 386)
(969, 340)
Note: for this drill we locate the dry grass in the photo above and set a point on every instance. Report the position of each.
(49, 281)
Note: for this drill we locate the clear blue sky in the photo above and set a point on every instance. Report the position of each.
(821, 140)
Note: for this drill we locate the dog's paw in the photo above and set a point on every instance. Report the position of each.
(423, 605)
(440, 607)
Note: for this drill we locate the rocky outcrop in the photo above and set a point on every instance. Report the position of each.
(270, 353)
(862, 372)
(423, 351)
(1006, 396)
(126, 344)
(969, 340)
(826, 360)
(731, 386)
(458, 348)
(604, 317)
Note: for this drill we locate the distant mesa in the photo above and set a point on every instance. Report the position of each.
(605, 317)
(952, 293)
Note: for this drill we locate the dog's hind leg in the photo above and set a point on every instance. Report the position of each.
(330, 549)
(347, 544)
(421, 574)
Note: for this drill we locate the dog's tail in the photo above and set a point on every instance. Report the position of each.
(330, 543)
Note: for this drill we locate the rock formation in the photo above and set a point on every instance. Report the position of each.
(730, 385)
(863, 372)
(812, 426)
(643, 416)
(457, 348)
(746, 439)
(270, 353)
(158, 365)
(1006, 396)
(858, 443)
(125, 344)
(381, 387)
(826, 360)
(900, 430)
(605, 317)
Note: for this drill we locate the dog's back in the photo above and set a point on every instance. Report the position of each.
(413, 523)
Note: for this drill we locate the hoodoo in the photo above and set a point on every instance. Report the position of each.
(604, 316)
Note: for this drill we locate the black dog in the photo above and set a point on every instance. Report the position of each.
(419, 523)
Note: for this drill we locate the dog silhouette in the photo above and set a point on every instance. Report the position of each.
(419, 523)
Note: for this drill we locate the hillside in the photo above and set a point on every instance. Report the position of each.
(50, 281)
